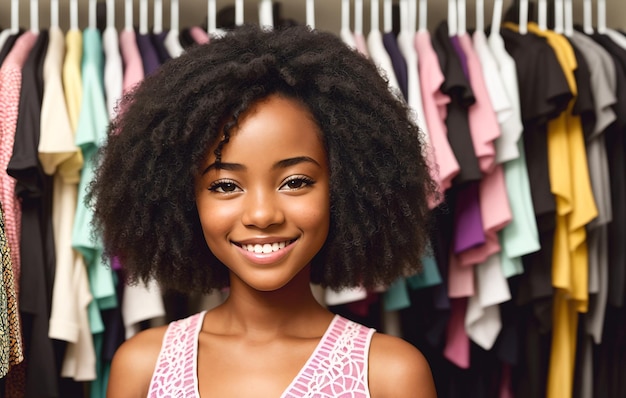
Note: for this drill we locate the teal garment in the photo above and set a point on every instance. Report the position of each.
(520, 236)
(428, 277)
(397, 296)
(510, 266)
(91, 133)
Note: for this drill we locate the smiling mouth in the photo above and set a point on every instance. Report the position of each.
(265, 248)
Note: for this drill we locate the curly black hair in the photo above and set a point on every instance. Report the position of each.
(143, 190)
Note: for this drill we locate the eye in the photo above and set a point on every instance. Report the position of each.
(224, 186)
(296, 182)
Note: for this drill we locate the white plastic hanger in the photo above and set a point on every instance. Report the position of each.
(558, 16)
(310, 13)
(54, 13)
(461, 8)
(266, 15)
(157, 27)
(423, 22)
(404, 15)
(480, 15)
(143, 17)
(374, 16)
(542, 14)
(174, 18)
(34, 16)
(239, 12)
(601, 27)
(358, 17)
(587, 17)
(93, 15)
(345, 16)
(523, 16)
(496, 17)
(387, 16)
(452, 18)
(211, 22)
(128, 15)
(73, 14)
(111, 14)
(568, 18)
(412, 19)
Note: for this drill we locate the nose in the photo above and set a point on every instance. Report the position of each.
(262, 209)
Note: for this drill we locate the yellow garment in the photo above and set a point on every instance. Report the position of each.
(73, 89)
(576, 207)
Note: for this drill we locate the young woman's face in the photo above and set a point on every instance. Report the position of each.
(265, 208)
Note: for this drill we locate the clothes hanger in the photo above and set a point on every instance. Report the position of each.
(15, 16)
(211, 22)
(157, 27)
(480, 15)
(452, 18)
(523, 16)
(358, 17)
(73, 14)
(93, 15)
(239, 12)
(412, 18)
(345, 16)
(128, 15)
(110, 13)
(54, 13)
(266, 17)
(496, 17)
(587, 17)
(310, 13)
(387, 16)
(568, 18)
(601, 28)
(174, 18)
(558, 16)
(143, 17)
(404, 15)
(34, 16)
(423, 16)
(374, 16)
(461, 21)
(542, 14)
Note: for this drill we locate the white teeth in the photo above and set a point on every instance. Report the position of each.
(265, 248)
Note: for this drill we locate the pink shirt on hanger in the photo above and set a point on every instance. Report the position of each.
(434, 104)
(133, 67)
(10, 86)
(199, 35)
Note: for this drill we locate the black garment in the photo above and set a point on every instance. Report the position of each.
(616, 152)
(584, 103)
(34, 189)
(458, 88)
(186, 40)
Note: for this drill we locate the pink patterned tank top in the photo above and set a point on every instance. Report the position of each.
(337, 367)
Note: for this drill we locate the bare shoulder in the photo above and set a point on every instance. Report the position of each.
(133, 364)
(398, 369)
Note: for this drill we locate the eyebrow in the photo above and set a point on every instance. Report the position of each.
(281, 164)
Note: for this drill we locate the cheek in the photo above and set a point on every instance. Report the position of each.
(216, 220)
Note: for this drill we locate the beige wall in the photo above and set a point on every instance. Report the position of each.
(328, 12)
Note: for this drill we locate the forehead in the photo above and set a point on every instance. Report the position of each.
(275, 126)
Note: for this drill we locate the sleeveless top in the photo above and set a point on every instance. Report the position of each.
(336, 368)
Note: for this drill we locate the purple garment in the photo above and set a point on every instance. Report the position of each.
(158, 40)
(398, 62)
(468, 223)
(149, 56)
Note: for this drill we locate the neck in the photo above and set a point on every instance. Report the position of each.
(266, 313)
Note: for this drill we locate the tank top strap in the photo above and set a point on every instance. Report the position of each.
(175, 373)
